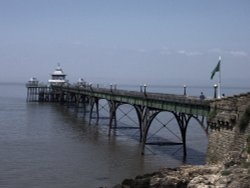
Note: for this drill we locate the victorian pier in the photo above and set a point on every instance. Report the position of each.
(147, 105)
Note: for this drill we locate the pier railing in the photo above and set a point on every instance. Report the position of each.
(164, 102)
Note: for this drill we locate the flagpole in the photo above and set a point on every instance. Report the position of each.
(219, 84)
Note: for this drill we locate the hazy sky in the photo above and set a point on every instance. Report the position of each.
(170, 42)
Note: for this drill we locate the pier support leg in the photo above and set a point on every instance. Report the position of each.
(91, 110)
(183, 120)
(84, 107)
(146, 120)
(62, 98)
(97, 110)
(93, 103)
(139, 115)
(112, 115)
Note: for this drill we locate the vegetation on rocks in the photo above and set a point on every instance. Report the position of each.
(245, 119)
(248, 144)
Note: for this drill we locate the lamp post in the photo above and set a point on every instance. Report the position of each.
(145, 88)
(185, 90)
(111, 87)
(141, 88)
(90, 86)
(215, 90)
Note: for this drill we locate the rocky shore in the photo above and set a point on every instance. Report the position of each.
(233, 172)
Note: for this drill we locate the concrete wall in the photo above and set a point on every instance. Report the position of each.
(225, 134)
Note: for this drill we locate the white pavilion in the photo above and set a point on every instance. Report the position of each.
(58, 76)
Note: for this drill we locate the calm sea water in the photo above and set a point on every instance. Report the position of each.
(49, 145)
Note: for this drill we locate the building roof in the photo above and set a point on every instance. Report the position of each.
(58, 76)
(58, 71)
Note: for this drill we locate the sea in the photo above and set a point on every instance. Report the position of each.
(55, 146)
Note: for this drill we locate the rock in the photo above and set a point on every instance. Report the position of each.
(128, 183)
(233, 172)
(117, 186)
(201, 181)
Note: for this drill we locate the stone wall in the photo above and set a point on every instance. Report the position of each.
(225, 133)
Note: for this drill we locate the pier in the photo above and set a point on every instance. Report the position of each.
(147, 105)
(37, 91)
(208, 113)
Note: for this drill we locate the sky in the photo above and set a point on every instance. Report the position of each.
(157, 42)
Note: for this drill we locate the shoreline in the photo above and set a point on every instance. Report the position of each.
(233, 171)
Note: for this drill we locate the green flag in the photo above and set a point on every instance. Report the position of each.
(216, 69)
